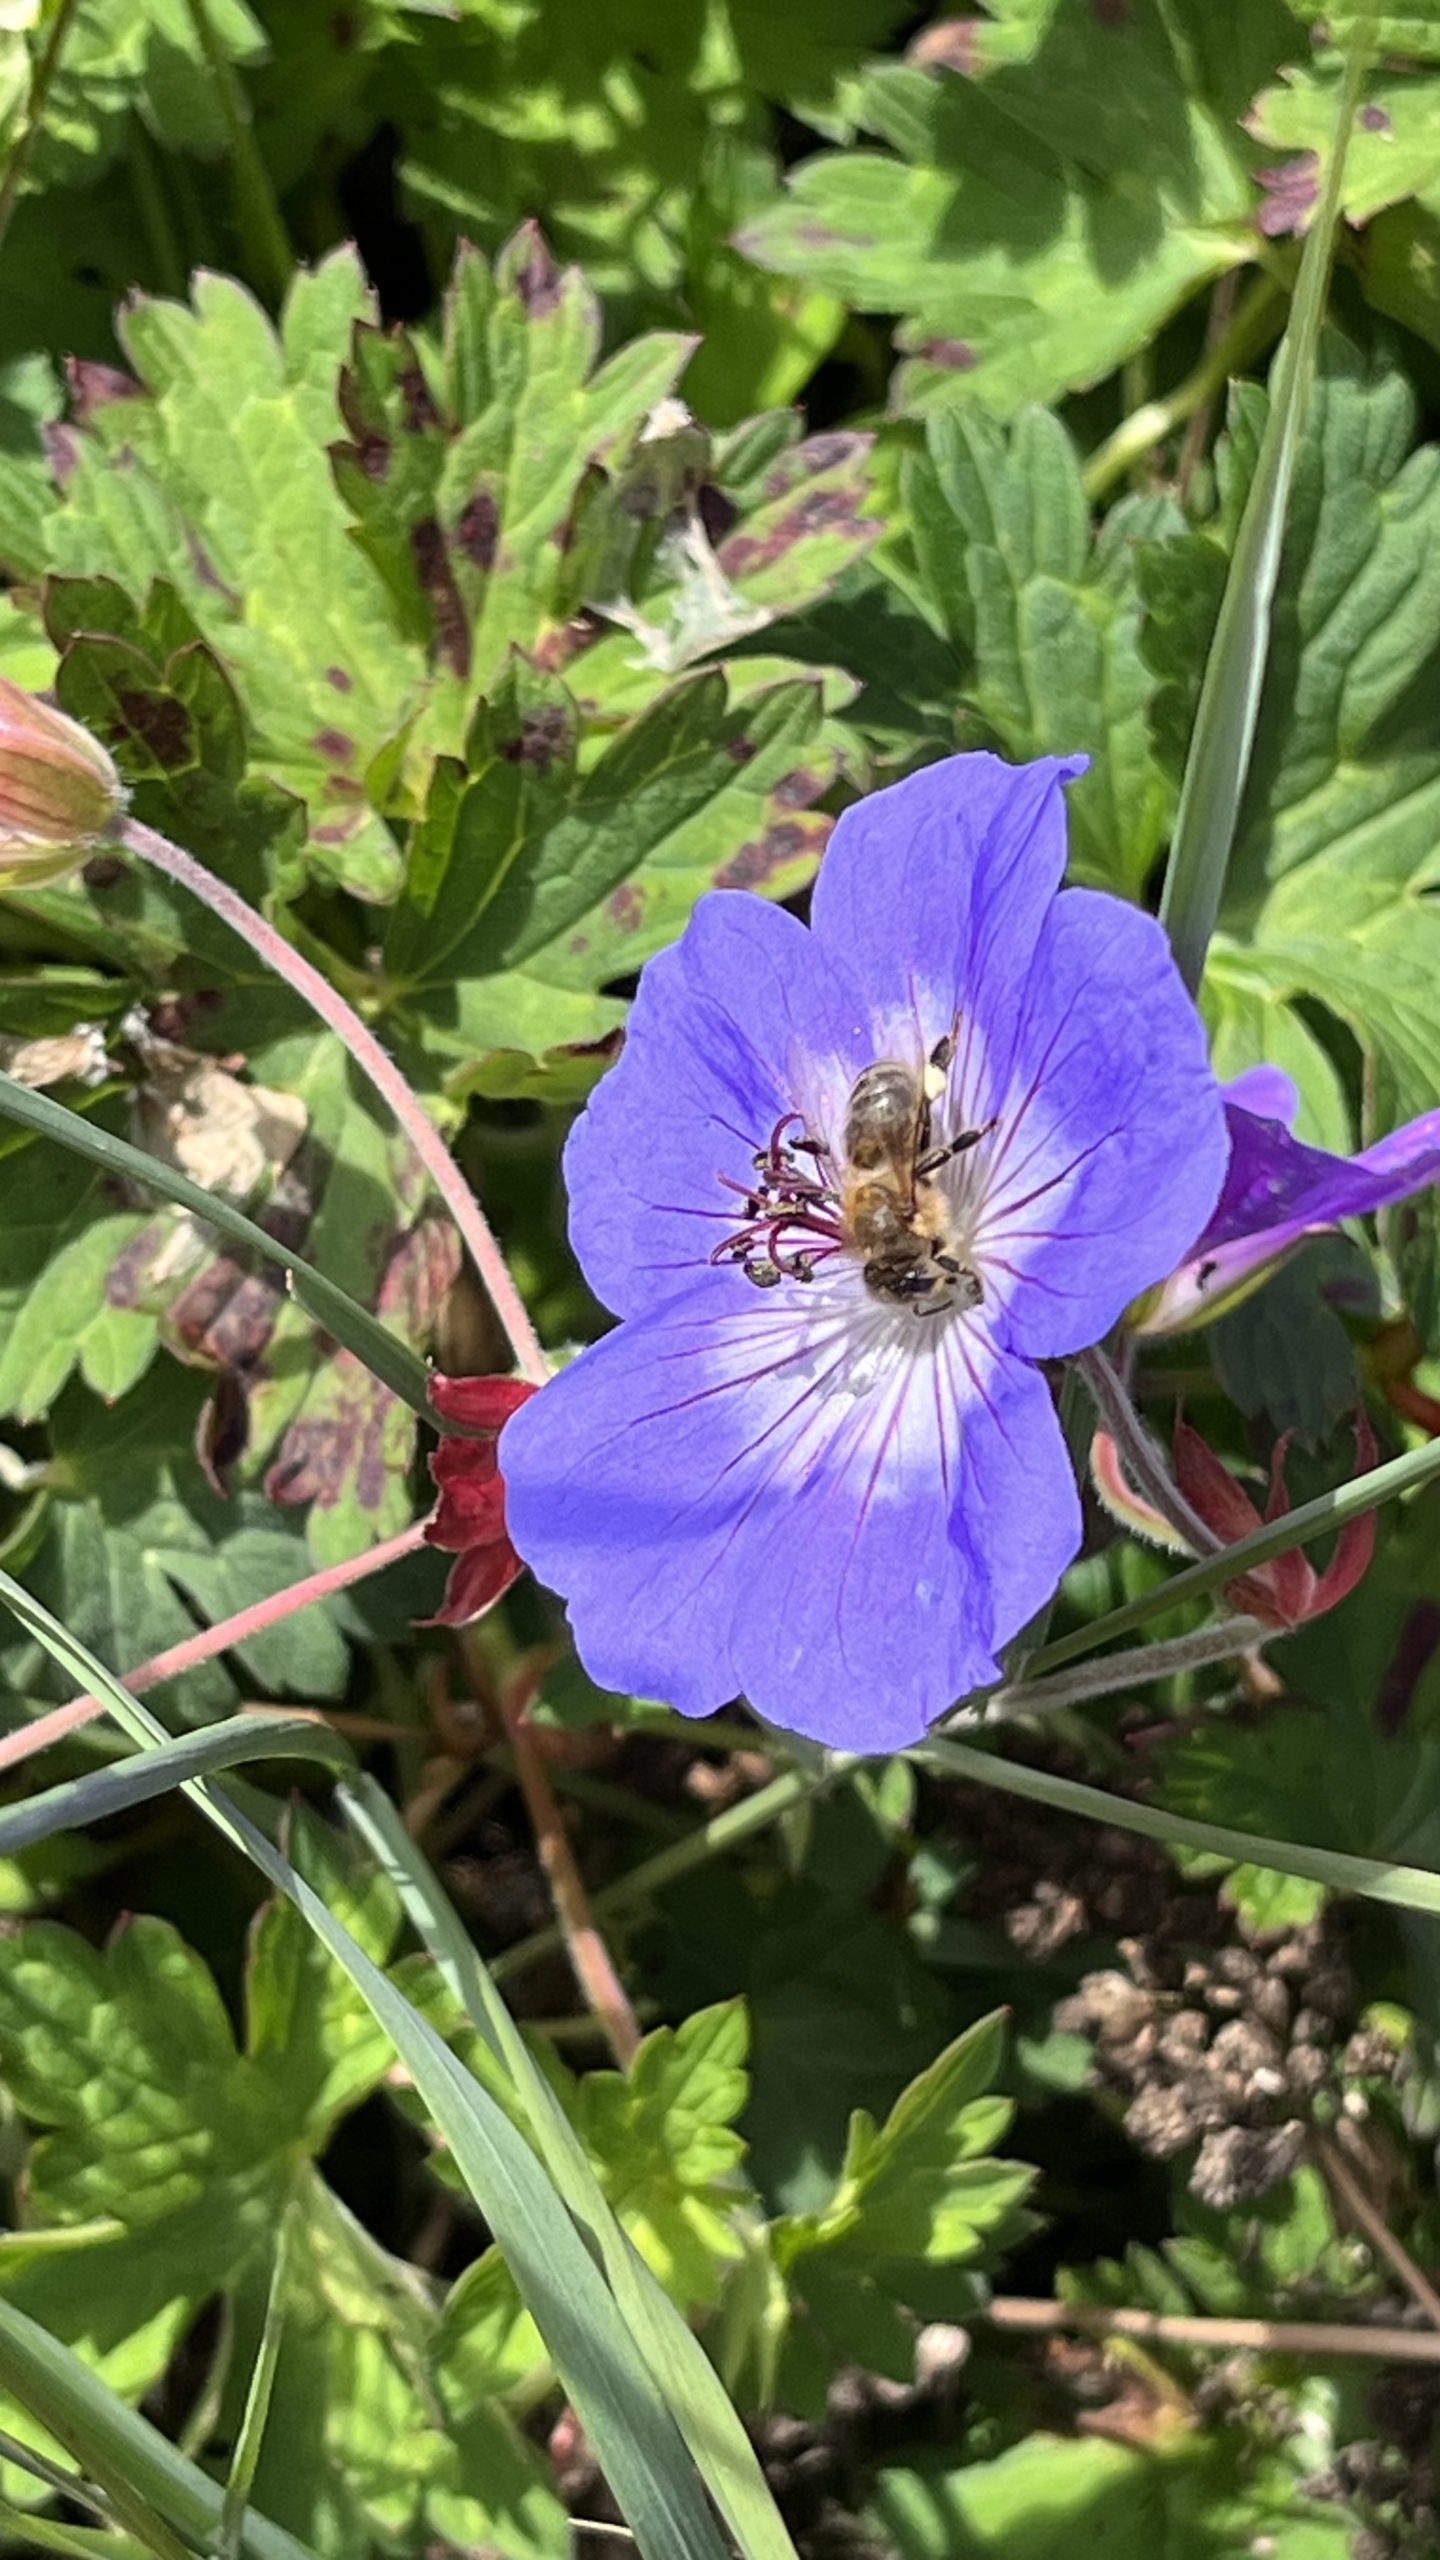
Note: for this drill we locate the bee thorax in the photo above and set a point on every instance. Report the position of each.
(886, 1119)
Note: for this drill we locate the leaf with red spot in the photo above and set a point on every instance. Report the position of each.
(348, 1452)
(213, 476)
(462, 476)
(535, 883)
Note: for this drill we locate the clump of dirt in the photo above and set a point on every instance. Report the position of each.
(1225, 2047)
(1213, 2036)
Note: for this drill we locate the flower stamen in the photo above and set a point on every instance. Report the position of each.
(785, 1206)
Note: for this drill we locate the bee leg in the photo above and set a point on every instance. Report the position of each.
(938, 1064)
(960, 1146)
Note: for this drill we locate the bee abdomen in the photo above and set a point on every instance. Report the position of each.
(878, 1224)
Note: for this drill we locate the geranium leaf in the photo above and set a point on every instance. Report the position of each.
(997, 226)
(1051, 620)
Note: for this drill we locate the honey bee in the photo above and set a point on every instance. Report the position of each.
(892, 1209)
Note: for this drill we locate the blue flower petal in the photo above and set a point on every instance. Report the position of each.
(1112, 1142)
(1265, 1091)
(744, 1019)
(936, 891)
(1276, 1186)
(1276, 1192)
(726, 1514)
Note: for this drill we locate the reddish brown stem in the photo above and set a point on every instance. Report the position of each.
(341, 1018)
(1178, 2329)
(1347, 2191)
(600, 1986)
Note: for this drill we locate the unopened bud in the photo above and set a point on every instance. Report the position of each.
(59, 790)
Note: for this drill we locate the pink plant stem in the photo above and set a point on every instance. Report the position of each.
(365, 1049)
(209, 1641)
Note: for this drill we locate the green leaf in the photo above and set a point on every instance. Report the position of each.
(135, 1545)
(1413, 30)
(124, 57)
(143, 679)
(1330, 885)
(1052, 619)
(1284, 1352)
(919, 2189)
(58, 1243)
(360, 2449)
(1039, 221)
(462, 505)
(661, 2136)
(306, 2022)
(519, 496)
(1347, 757)
(627, 130)
(377, 1349)
(167, 2174)
(216, 479)
(1033, 2502)
(526, 879)
(1250, 1026)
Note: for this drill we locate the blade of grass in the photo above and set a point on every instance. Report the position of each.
(192, 1755)
(52, 2475)
(722, 2451)
(382, 1352)
(246, 2457)
(614, 2394)
(117, 2448)
(1298, 1528)
(1224, 734)
(1408, 1888)
(76, 2541)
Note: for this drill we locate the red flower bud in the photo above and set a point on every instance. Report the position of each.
(59, 790)
(1287, 1591)
(469, 1520)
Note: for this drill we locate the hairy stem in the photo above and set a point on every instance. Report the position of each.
(375, 1062)
(1140, 1455)
(1128, 1670)
(208, 1641)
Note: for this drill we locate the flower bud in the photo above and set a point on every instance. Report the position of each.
(59, 790)
(469, 1521)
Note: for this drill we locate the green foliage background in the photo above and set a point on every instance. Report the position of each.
(491, 470)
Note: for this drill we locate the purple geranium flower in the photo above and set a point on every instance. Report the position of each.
(1277, 1191)
(816, 1463)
